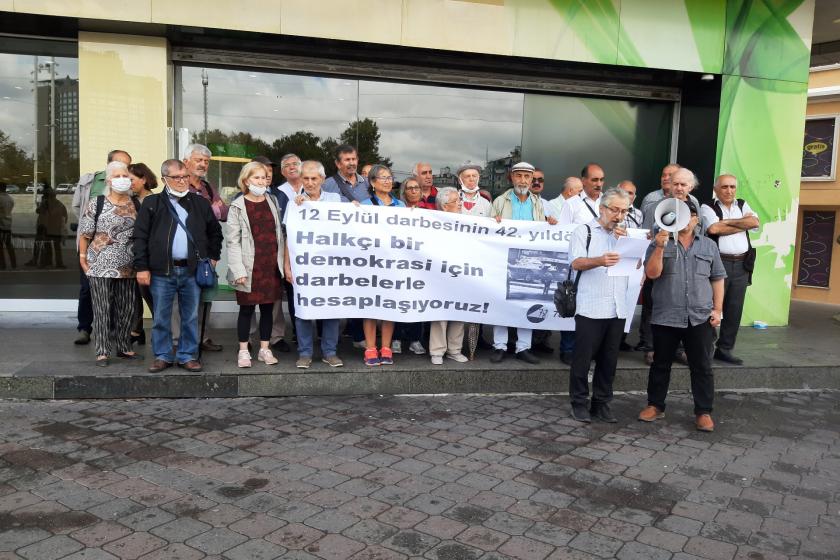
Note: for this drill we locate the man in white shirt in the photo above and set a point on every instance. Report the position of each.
(634, 215)
(571, 188)
(727, 221)
(601, 308)
(584, 208)
(290, 170)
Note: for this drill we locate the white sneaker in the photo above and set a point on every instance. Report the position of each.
(360, 344)
(437, 360)
(458, 357)
(396, 347)
(416, 347)
(243, 359)
(266, 356)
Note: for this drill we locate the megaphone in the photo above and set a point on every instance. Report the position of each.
(672, 215)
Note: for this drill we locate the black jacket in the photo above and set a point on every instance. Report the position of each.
(155, 227)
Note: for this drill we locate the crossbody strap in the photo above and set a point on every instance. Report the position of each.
(578, 275)
(184, 227)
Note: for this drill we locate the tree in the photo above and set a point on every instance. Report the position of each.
(14, 161)
(364, 134)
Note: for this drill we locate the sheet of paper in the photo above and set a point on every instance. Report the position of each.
(631, 247)
(637, 233)
(624, 267)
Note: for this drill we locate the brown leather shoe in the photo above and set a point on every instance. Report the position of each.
(651, 413)
(210, 346)
(704, 423)
(649, 358)
(193, 366)
(159, 365)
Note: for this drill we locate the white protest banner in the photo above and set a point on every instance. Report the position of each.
(409, 265)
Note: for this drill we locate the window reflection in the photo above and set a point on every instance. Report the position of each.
(39, 168)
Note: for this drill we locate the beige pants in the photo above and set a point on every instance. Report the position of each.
(446, 337)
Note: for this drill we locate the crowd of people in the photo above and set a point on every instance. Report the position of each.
(139, 245)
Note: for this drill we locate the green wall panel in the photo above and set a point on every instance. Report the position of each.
(759, 141)
(674, 34)
(769, 38)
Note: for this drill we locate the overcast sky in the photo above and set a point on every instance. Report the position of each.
(445, 126)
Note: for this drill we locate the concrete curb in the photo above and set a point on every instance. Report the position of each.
(178, 384)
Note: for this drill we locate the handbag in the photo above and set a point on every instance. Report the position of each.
(565, 296)
(205, 274)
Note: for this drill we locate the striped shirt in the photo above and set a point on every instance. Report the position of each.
(599, 295)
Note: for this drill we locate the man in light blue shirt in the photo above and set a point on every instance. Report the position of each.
(601, 308)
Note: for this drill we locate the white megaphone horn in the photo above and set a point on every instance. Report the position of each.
(672, 215)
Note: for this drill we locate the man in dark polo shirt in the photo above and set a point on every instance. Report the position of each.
(687, 278)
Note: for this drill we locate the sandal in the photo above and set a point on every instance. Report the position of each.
(372, 357)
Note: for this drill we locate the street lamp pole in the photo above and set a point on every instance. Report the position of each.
(204, 82)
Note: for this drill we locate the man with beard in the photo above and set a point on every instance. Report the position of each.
(347, 182)
(517, 203)
(601, 308)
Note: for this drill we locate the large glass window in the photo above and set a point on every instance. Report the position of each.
(39, 167)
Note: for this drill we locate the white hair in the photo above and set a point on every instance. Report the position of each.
(113, 166)
(444, 196)
(200, 148)
(717, 181)
(614, 193)
(316, 164)
(694, 180)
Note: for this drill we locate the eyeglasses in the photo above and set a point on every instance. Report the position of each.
(177, 177)
(385, 179)
(618, 211)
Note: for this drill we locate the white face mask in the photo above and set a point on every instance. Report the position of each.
(468, 190)
(256, 190)
(176, 194)
(121, 184)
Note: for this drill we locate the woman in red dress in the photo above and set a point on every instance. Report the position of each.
(255, 258)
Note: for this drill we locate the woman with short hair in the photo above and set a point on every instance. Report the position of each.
(106, 256)
(447, 337)
(381, 184)
(410, 192)
(255, 258)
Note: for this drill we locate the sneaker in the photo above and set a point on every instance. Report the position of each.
(437, 360)
(386, 356)
(360, 344)
(580, 413)
(396, 347)
(460, 358)
(266, 356)
(371, 357)
(303, 362)
(243, 359)
(651, 413)
(333, 361)
(417, 348)
(704, 423)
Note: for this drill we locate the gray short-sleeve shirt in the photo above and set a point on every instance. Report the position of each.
(682, 295)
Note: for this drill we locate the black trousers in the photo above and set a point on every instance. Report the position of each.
(596, 339)
(243, 321)
(734, 292)
(697, 341)
(85, 311)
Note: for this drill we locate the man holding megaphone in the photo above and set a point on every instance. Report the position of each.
(687, 276)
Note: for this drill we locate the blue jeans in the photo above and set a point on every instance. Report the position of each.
(567, 341)
(180, 283)
(306, 335)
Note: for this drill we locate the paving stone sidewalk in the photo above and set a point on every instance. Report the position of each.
(441, 478)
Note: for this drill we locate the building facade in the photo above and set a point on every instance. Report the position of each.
(718, 85)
